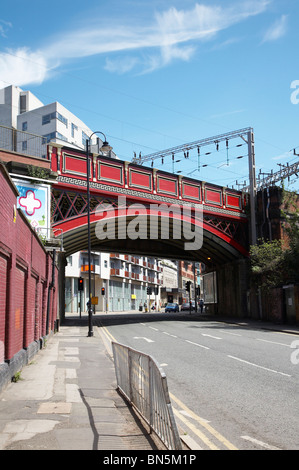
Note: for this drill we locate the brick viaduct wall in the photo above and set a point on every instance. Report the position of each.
(28, 295)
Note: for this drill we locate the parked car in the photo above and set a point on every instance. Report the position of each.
(186, 306)
(170, 307)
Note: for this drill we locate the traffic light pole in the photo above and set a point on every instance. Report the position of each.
(80, 289)
(90, 325)
(195, 284)
(80, 305)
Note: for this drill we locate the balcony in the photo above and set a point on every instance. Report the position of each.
(135, 276)
(132, 259)
(117, 272)
(94, 269)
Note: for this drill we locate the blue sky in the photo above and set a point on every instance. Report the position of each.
(156, 74)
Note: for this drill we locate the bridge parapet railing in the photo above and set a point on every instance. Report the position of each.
(22, 142)
(127, 178)
(144, 385)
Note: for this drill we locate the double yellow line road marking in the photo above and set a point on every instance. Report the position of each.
(202, 423)
(199, 421)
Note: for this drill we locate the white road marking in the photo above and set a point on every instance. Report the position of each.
(260, 367)
(210, 336)
(229, 333)
(272, 342)
(202, 422)
(168, 334)
(145, 339)
(259, 443)
(196, 344)
(185, 413)
(152, 328)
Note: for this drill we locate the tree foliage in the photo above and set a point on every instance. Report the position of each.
(276, 262)
(267, 264)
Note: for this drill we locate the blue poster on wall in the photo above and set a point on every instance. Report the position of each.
(34, 200)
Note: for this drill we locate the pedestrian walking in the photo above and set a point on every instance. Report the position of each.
(201, 303)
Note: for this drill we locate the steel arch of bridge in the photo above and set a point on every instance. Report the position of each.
(225, 223)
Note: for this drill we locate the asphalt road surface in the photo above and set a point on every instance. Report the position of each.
(231, 386)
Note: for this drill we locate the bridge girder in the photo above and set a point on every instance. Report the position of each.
(215, 248)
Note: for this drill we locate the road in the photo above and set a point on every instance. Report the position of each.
(231, 386)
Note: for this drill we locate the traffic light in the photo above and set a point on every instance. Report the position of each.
(103, 290)
(188, 286)
(149, 291)
(156, 290)
(80, 283)
(198, 290)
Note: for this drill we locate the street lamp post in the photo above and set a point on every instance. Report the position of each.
(107, 147)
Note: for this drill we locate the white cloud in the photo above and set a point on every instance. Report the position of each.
(4, 26)
(277, 30)
(170, 36)
(21, 67)
(121, 65)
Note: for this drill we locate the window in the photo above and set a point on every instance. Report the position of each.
(23, 101)
(46, 118)
(74, 128)
(24, 126)
(61, 118)
(54, 135)
(50, 136)
(60, 136)
(24, 145)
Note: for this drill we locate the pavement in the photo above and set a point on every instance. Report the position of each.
(66, 398)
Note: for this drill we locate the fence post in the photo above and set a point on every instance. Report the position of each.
(130, 375)
(150, 386)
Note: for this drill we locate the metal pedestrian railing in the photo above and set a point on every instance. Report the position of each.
(14, 140)
(141, 380)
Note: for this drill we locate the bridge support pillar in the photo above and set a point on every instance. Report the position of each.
(233, 286)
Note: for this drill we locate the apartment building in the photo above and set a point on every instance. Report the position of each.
(187, 271)
(22, 110)
(13, 102)
(120, 282)
(170, 288)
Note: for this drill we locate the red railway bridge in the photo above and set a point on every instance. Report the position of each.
(123, 192)
(120, 188)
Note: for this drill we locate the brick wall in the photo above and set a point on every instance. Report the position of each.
(25, 280)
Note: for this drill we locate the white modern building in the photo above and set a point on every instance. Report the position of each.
(23, 111)
(14, 102)
(118, 282)
(169, 290)
(78, 267)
